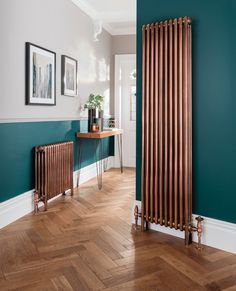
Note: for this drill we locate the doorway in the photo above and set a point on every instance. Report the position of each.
(125, 105)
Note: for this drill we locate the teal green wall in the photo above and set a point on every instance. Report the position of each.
(214, 99)
(17, 142)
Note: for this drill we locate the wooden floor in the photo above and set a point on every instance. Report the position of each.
(87, 243)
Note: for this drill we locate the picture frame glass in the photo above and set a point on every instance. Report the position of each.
(41, 75)
(69, 76)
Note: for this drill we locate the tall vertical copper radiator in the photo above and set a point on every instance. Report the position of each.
(167, 125)
(53, 171)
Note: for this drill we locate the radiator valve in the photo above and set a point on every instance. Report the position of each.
(199, 230)
(36, 201)
(136, 216)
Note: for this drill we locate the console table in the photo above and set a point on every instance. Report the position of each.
(98, 136)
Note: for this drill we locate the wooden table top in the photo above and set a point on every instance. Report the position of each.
(101, 134)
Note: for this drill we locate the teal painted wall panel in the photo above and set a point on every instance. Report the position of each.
(214, 99)
(17, 151)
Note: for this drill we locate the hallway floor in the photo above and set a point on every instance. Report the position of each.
(87, 243)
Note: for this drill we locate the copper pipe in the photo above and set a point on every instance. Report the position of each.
(147, 86)
(68, 166)
(59, 170)
(65, 166)
(53, 172)
(156, 126)
(48, 171)
(72, 169)
(63, 152)
(165, 95)
(160, 123)
(151, 121)
(56, 169)
(190, 117)
(143, 127)
(36, 194)
(36, 168)
(44, 172)
(180, 75)
(185, 130)
(176, 127)
(170, 110)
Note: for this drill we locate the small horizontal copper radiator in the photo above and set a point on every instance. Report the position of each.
(167, 124)
(53, 171)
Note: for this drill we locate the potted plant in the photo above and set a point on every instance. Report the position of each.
(94, 103)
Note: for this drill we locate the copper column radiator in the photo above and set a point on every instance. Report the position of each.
(53, 171)
(167, 125)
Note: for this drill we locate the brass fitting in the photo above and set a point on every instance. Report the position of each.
(36, 202)
(136, 216)
(199, 230)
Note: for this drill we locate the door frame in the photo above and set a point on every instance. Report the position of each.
(117, 99)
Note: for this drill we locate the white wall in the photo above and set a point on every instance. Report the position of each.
(62, 27)
(124, 44)
(121, 44)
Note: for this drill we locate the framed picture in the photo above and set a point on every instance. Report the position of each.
(40, 75)
(69, 76)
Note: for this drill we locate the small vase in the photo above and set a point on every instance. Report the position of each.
(91, 117)
(98, 121)
(100, 115)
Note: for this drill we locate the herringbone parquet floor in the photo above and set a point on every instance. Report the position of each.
(87, 243)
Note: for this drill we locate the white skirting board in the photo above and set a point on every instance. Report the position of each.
(16, 207)
(216, 233)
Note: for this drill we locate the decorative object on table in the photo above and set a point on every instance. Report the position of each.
(95, 127)
(69, 76)
(111, 124)
(91, 117)
(40, 75)
(94, 103)
(101, 116)
(99, 122)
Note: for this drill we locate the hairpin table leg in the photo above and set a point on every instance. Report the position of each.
(105, 162)
(99, 162)
(120, 150)
(79, 160)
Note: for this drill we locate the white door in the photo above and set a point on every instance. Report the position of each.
(125, 104)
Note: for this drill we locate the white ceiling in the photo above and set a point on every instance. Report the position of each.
(118, 16)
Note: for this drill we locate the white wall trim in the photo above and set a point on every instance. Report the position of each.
(216, 233)
(17, 207)
(108, 18)
(29, 119)
(131, 30)
(86, 8)
(124, 31)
